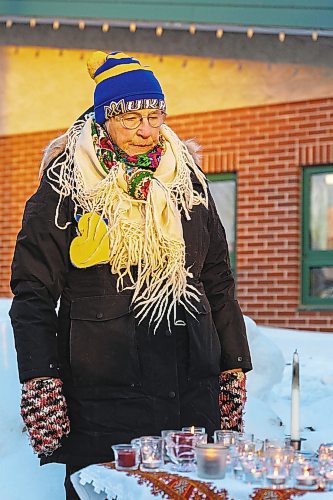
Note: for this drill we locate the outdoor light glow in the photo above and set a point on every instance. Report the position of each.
(192, 29)
(159, 31)
(250, 33)
(82, 25)
(105, 28)
(56, 25)
(282, 36)
(314, 36)
(219, 33)
(329, 179)
(132, 27)
(32, 23)
(9, 23)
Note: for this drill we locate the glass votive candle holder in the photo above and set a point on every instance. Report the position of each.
(126, 456)
(180, 448)
(164, 434)
(194, 430)
(226, 438)
(245, 446)
(326, 450)
(280, 456)
(136, 442)
(306, 475)
(211, 460)
(306, 480)
(151, 448)
(325, 455)
(276, 476)
(248, 436)
(253, 470)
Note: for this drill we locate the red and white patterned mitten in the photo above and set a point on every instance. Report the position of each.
(232, 400)
(44, 412)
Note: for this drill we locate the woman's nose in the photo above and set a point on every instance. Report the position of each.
(144, 129)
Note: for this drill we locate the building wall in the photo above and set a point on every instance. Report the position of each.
(45, 89)
(20, 157)
(267, 146)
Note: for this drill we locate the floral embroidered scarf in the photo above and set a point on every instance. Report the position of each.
(139, 168)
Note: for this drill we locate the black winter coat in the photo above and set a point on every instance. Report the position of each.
(120, 380)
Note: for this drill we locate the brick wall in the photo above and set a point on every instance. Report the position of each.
(20, 157)
(266, 146)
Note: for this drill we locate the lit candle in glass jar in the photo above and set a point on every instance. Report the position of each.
(306, 479)
(211, 460)
(277, 478)
(150, 463)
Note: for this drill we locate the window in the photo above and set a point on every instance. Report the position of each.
(317, 237)
(224, 191)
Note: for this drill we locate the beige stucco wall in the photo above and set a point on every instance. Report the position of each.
(45, 89)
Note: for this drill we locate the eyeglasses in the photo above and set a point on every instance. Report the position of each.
(132, 121)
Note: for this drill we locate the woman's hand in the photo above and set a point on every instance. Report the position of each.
(44, 412)
(232, 399)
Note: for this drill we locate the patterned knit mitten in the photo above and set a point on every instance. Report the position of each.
(232, 400)
(44, 412)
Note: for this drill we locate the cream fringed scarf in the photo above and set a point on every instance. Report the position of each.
(143, 233)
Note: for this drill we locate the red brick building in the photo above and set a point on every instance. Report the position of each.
(270, 156)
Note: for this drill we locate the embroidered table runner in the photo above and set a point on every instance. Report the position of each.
(103, 481)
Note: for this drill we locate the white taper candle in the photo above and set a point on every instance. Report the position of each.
(295, 397)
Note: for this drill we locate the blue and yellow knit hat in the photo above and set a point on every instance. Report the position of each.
(122, 85)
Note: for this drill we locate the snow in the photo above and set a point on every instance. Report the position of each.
(267, 408)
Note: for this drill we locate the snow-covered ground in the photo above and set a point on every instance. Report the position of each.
(267, 409)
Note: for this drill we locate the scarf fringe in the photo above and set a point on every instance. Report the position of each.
(162, 279)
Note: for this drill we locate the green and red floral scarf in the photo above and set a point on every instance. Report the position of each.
(139, 168)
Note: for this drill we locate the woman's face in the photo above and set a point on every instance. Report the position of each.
(138, 140)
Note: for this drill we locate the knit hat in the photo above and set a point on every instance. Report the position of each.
(122, 85)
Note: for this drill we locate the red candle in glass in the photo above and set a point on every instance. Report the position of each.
(182, 437)
(126, 458)
(185, 442)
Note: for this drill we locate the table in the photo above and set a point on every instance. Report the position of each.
(101, 481)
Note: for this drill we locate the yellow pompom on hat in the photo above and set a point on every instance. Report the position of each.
(95, 61)
(122, 85)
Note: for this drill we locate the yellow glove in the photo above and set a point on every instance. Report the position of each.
(93, 246)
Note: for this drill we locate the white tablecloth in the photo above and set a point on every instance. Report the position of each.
(97, 482)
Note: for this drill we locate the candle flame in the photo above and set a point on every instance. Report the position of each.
(192, 429)
(210, 453)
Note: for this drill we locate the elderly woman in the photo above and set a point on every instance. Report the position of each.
(123, 230)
